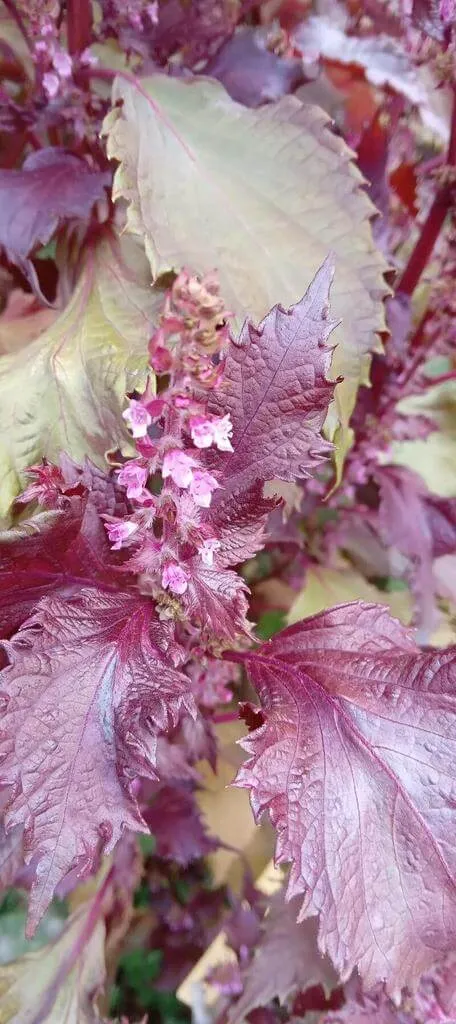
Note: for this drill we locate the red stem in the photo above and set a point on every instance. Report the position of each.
(79, 25)
(432, 226)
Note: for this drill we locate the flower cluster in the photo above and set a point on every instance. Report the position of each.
(168, 483)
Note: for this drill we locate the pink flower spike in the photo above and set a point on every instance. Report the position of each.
(119, 531)
(175, 578)
(179, 466)
(201, 487)
(222, 429)
(138, 418)
(133, 477)
(201, 431)
(208, 549)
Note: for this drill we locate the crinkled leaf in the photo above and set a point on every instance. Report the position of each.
(65, 391)
(261, 195)
(286, 958)
(61, 549)
(251, 73)
(355, 765)
(217, 600)
(52, 185)
(84, 686)
(276, 392)
(239, 523)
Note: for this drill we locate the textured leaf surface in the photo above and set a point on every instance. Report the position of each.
(286, 958)
(51, 185)
(355, 763)
(84, 689)
(262, 196)
(65, 391)
(239, 522)
(217, 600)
(62, 550)
(276, 392)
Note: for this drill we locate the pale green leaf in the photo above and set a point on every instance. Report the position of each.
(434, 457)
(260, 195)
(325, 587)
(66, 390)
(57, 984)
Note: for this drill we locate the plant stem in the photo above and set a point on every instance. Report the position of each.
(226, 716)
(433, 224)
(11, 7)
(79, 25)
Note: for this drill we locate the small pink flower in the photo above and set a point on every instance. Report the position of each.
(222, 429)
(201, 487)
(63, 64)
(119, 531)
(51, 84)
(179, 466)
(138, 418)
(208, 549)
(175, 578)
(201, 430)
(161, 359)
(181, 401)
(156, 408)
(133, 477)
(152, 12)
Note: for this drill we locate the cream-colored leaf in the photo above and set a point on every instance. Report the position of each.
(58, 983)
(65, 391)
(325, 588)
(262, 196)
(437, 403)
(434, 457)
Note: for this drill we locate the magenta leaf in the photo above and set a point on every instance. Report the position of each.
(51, 186)
(60, 549)
(239, 523)
(176, 824)
(83, 686)
(355, 764)
(251, 73)
(216, 599)
(277, 393)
